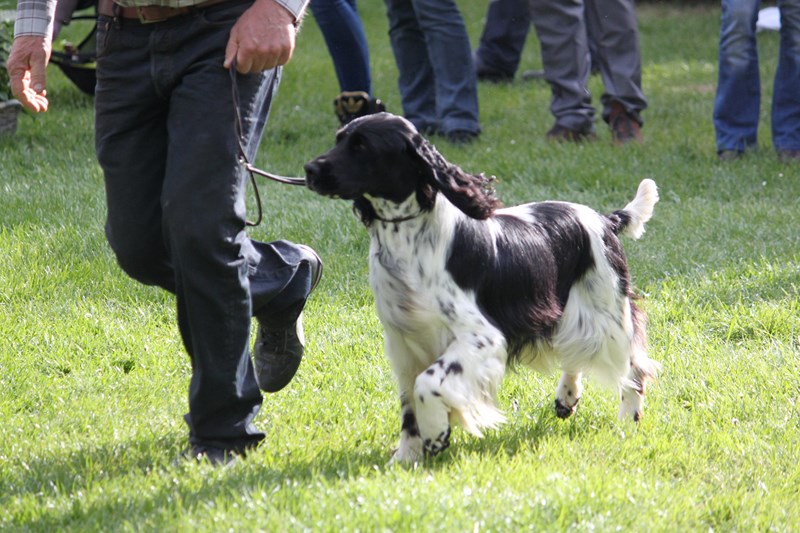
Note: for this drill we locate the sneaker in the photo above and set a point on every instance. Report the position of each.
(278, 350)
(559, 133)
(729, 155)
(789, 156)
(353, 104)
(461, 137)
(494, 76)
(212, 455)
(624, 128)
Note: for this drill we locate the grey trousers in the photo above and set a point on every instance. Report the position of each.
(175, 190)
(563, 28)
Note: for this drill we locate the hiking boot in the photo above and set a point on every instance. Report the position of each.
(624, 128)
(559, 133)
(278, 350)
(353, 104)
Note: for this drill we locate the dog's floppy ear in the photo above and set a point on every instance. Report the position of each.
(473, 194)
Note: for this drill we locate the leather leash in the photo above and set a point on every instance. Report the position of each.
(243, 160)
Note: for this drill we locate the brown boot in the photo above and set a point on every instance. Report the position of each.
(624, 128)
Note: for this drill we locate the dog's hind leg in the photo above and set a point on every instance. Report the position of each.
(631, 397)
(568, 394)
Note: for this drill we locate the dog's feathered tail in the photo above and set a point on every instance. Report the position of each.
(631, 219)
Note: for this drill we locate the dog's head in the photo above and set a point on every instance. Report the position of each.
(384, 156)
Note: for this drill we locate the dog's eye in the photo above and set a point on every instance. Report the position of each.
(358, 143)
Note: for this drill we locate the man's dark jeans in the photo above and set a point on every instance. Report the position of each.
(166, 141)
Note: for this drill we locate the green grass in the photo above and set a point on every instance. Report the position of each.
(93, 377)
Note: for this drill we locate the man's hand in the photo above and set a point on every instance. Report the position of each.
(262, 38)
(27, 69)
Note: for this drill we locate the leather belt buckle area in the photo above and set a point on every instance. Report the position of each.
(146, 15)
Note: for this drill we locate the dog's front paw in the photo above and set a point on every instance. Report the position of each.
(565, 411)
(437, 445)
(408, 452)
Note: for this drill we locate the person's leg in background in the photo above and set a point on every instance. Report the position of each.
(416, 79)
(786, 92)
(343, 31)
(450, 57)
(614, 29)
(738, 97)
(561, 29)
(502, 40)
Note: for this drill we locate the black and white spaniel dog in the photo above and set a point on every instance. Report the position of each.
(464, 287)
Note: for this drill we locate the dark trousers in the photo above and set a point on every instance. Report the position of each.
(166, 142)
(503, 38)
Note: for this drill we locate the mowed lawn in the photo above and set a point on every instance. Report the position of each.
(93, 376)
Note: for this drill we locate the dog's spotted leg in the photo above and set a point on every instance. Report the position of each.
(432, 410)
(409, 450)
(568, 394)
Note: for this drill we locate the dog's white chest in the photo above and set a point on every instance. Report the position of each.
(406, 275)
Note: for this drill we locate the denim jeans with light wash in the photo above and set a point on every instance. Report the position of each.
(738, 99)
(175, 192)
(437, 81)
(344, 36)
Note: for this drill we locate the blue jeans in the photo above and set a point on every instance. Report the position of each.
(344, 36)
(437, 82)
(738, 99)
(175, 192)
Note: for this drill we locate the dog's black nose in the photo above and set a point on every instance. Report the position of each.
(312, 169)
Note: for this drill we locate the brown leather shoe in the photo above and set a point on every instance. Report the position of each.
(624, 128)
(559, 133)
(789, 156)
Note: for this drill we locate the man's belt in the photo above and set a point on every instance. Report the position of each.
(149, 14)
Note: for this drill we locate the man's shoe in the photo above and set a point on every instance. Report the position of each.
(278, 350)
(559, 133)
(624, 128)
(461, 137)
(533, 75)
(729, 155)
(789, 156)
(212, 455)
(350, 105)
(494, 76)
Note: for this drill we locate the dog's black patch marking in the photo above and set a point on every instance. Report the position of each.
(454, 368)
(410, 424)
(524, 286)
